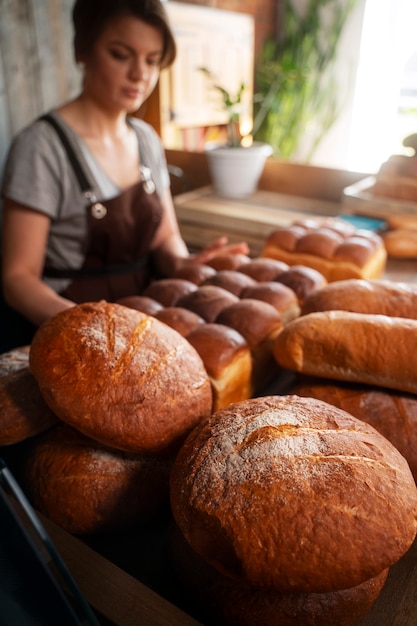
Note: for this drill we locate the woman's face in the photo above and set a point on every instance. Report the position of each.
(123, 66)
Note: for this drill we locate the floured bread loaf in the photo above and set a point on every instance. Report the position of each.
(228, 361)
(293, 494)
(380, 297)
(23, 411)
(121, 377)
(234, 603)
(353, 347)
(86, 487)
(332, 246)
(392, 413)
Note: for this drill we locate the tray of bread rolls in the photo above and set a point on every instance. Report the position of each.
(246, 451)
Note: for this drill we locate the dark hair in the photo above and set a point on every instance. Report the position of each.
(91, 16)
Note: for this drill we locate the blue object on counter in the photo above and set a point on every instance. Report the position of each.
(368, 223)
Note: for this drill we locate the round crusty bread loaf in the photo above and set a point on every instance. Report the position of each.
(86, 487)
(232, 603)
(120, 376)
(293, 494)
(23, 411)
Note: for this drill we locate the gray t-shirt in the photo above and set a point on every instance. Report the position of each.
(39, 175)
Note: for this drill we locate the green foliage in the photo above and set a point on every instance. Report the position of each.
(231, 105)
(296, 86)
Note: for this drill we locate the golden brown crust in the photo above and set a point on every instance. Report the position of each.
(231, 280)
(119, 376)
(86, 487)
(282, 298)
(182, 320)
(355, 347)
(331, 246)
(392, 413)
(142, 304)
(293, 494)
(228, 261)
(254, 319)
(262, 268)
(168, 291)
(302, 280)
(208, 301)
(195, 272)
(23, 411)
(401, 243)
(227, 359)
(227, 601)
(381, 297)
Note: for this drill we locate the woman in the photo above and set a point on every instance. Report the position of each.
(88, 212)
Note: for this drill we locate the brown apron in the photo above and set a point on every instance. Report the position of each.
(120, 230)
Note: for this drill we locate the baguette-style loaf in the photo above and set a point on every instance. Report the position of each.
(86, 487)
(392, 413)
(380, 297)
(356, 347)
(293, 494)
(121, 377)
(329, 245)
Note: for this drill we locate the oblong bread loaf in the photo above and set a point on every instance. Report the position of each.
(357, 347)
(120, 376)
(380, 297)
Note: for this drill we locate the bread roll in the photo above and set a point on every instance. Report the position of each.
(168, 291)
(231, 280)
(232, 603)
(356, 347)
(142, 304)
(259, 323)
(401, 243)
(182, 320)
(23, 411)
(392, 413)
(282, 298)
(262, 268)
(120, 377)
(85, 487)
(331, 246)
(380, 297)
(195, 272)
(208, 301)
(302, 280)
(228, 361)
(293, 494)
(228, 261)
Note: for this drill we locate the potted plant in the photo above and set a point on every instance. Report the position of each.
(236, 165)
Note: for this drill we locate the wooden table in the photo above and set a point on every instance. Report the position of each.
(125, 601)
(204, 216)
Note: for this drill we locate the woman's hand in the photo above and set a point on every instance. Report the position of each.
(219, 247)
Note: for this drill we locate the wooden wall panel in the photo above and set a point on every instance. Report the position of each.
(37, 70)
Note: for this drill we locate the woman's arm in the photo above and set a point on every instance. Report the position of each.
(170, 250)
(25, 233)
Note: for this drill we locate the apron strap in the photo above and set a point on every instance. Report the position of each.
(79, 172)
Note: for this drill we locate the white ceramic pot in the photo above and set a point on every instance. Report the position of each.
(235, 171)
